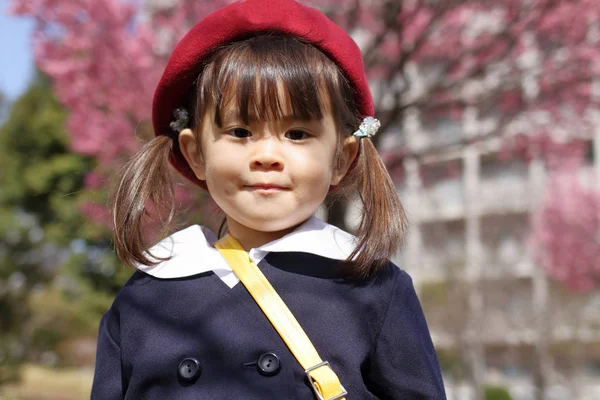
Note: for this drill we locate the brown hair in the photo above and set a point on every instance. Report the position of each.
(248, 75)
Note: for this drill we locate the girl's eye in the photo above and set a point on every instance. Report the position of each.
(240, 133)
(296, 135)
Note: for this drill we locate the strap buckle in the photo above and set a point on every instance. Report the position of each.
(314, 388)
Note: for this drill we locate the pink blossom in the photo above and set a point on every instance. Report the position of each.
(565, 232)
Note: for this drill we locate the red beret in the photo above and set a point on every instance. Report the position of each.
(240, 20)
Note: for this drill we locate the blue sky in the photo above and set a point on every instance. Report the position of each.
(16, 58)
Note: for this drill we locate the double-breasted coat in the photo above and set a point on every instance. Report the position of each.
(187, 329)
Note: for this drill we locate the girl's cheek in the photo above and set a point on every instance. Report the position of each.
(219, 158)
(319, 175)
(317, 155)
(228, 191)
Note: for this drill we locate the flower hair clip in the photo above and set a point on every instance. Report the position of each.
(181, 120)
(368, 128)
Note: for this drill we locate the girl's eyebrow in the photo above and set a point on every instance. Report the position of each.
(232, 115)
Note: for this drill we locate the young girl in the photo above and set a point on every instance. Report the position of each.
(266, 105)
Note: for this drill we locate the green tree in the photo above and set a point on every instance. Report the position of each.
(3, 106)
(57, 271)
(497, 393)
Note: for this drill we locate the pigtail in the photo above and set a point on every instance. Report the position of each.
(144, 181)
(383, 224)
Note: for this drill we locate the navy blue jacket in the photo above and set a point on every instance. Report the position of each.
(195, 338)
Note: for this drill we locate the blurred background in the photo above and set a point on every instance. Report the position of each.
(491, 131)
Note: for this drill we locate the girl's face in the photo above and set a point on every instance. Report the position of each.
(268, 176)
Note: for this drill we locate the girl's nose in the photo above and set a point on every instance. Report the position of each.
(266, 156)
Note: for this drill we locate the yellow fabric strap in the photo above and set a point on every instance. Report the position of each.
(325, 381)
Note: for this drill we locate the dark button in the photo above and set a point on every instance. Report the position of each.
(189, 369)
(268, 364)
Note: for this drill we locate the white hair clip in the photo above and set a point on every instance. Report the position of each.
(181, 120)
(368, 128)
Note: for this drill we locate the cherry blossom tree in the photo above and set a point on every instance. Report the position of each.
(567, 226)
(105, 58)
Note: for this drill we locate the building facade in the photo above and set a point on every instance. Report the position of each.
(495, 316)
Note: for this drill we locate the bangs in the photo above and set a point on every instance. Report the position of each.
(272, 77)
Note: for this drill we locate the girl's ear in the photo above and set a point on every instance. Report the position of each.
(189, 148)
(346, 158)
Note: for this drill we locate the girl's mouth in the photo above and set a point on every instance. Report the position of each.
(269, 187)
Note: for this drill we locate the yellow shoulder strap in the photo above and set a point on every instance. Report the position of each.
(324, 381)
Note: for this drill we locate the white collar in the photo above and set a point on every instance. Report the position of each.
(192, 253)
